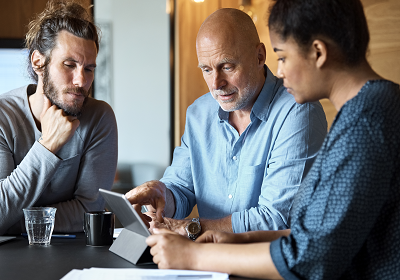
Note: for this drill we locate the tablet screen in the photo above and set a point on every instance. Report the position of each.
(126, 214)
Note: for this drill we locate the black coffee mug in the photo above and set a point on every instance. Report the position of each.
(99, 228)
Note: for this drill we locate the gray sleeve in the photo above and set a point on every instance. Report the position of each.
(16, 193)
(97, 170)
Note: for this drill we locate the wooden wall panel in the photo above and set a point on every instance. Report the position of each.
(190, 84)
(383, 17)
(384, 26)
(16, 14)
(189, 81)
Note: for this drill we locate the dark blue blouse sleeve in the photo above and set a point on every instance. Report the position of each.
(279, 261)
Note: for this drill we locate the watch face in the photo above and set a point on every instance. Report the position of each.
(193, 228)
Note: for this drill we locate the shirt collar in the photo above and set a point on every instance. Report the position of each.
(261, 106)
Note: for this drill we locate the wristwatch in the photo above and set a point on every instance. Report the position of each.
(193, 228)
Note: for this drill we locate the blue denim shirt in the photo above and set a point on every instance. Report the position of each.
(253, 176)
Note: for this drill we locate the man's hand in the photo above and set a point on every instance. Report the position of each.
(212, 236)
(150, 193)
(164, 247)
(177, 226)
(57, 128)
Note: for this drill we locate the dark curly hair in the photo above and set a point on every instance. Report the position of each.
(342, 22)
(57, 16)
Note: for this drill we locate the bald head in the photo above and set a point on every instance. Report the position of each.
(229, 26)
(232, 59)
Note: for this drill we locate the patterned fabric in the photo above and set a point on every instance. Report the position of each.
(345, 219)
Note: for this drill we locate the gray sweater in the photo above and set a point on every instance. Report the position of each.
(30, 175)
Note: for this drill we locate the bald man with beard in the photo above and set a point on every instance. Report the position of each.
(247, 144)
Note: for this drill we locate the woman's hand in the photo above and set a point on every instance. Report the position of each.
(171, 250)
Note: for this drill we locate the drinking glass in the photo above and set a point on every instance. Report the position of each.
(39, 223)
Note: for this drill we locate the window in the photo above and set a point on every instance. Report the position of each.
(13, 68)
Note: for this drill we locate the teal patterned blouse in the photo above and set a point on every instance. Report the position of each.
(345, 219)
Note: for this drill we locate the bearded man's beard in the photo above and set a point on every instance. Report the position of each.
(54, 94)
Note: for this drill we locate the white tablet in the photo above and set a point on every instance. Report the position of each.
(126, 214)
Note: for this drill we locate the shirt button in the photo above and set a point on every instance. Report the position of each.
(230, 196)
(234, 158)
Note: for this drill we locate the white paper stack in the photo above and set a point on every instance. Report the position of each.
(142, 274)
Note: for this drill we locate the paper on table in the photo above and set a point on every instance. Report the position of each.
(142, 274)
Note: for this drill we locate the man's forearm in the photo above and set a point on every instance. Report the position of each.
(69, 216)
(223, 224)
(23, 186)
